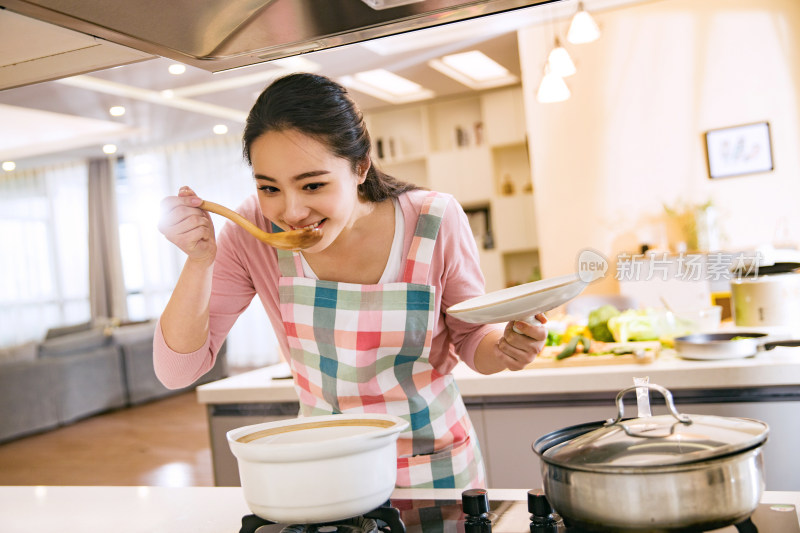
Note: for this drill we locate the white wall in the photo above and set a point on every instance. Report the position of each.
(631, 137)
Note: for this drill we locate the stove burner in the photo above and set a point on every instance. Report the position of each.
(358, 524)
(384, 519)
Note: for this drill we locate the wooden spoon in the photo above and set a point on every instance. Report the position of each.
(285, 240)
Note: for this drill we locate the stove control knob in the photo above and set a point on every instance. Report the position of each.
(543, 518)
(538, 505)
(475, 503)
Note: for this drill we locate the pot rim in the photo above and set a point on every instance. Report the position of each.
(268, 451)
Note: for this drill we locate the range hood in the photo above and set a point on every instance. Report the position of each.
(217, 35)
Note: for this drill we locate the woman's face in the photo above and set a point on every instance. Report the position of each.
(302, 183)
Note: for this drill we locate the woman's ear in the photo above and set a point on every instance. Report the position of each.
(363, 167)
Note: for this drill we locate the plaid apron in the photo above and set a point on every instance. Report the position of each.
(364, 349)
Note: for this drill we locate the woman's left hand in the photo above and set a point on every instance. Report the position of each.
(516, 349)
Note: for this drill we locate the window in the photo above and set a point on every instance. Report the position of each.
(45, 259)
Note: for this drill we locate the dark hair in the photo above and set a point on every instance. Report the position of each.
(321, 108)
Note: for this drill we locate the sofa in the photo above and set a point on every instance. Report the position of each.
(80, 371)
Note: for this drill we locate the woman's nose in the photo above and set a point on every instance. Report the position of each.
(294, 209)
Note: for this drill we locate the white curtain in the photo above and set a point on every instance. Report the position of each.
(216, 170)
(44, 259)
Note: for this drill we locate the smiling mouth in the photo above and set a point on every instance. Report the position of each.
(315, 225)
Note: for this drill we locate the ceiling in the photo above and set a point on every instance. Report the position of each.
(69, 118)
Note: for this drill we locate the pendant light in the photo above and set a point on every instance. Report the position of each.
(552, 88)
(559, 61)
(583, 28)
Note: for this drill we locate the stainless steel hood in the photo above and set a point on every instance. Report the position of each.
(217, 35)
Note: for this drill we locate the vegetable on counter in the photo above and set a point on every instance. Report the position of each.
(598, 323)
(553, 338)
(634, 325)
(575, 344)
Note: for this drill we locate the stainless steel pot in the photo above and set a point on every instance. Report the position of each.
(660, 473)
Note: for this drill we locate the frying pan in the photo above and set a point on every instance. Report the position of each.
(732, 345)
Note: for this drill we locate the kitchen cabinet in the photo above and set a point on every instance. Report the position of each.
(503, 115)
(474, 148)
(223, 418)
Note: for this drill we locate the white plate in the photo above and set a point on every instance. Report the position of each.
(520, 302)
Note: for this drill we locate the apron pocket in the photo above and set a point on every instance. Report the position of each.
(457, 466)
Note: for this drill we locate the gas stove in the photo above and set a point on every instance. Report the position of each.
(473, 512)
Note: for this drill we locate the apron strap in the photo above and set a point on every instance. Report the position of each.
(289, 262)
(421, 252)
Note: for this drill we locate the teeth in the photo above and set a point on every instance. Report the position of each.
(310, 226)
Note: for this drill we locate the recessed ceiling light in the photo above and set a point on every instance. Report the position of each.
(177, 69)
(220, 129)
(109, 148)
(387, 86)
(474, 69)
(8, 166)
(117, 111)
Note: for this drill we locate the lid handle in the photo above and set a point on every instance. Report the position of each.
(684, 419)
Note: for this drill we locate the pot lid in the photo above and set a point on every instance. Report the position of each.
(658, 441)
(652, 441)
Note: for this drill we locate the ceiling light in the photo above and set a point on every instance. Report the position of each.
(474, 69)
(552, 88)
(109, 148)
(560, 62)
(117, 111)
(8, 166)
(388, 82)
(177, 69)
(386, 86)
(220, 129)
(583, 28)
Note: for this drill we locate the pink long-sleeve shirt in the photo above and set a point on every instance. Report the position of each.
(245, 267)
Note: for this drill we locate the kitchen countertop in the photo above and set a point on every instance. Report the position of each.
(171, 510)
(778, 367)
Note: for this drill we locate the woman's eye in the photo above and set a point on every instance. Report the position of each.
(269, 189)
(314, 186)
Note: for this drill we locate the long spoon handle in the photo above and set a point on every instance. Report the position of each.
(287, 240)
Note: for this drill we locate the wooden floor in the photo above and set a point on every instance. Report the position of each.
(163, 443)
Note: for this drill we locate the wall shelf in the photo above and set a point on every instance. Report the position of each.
(474, 148)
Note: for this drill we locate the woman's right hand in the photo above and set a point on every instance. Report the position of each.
(187, 226)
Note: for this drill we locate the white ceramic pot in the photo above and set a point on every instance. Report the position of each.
(771, 300)
(317, 469)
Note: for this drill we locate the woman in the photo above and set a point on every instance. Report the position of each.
(360, 315)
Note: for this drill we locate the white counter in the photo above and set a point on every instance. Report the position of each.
(777, 367)
(170, 510)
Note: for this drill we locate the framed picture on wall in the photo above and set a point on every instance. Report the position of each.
(739, 150)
